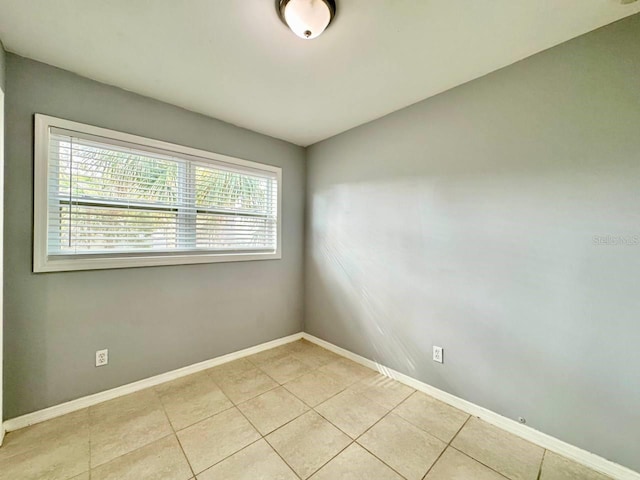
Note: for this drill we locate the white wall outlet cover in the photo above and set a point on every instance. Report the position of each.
(102, 357)
(438, 354)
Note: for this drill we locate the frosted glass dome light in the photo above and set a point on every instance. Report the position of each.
(307, 18)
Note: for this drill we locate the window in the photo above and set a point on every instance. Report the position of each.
(106, 199)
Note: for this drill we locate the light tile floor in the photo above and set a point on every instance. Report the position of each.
(292, 412)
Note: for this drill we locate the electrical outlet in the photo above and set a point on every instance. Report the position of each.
(437, 355)
(102, 357)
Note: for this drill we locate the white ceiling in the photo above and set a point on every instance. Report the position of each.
(234, 59)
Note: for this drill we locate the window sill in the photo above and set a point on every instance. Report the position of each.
(67, 264)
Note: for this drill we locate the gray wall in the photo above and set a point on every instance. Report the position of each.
(468, 221)
(151, 319)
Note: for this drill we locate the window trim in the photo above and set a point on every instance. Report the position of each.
(57, 263)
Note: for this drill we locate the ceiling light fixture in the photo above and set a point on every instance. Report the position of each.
(307, 18)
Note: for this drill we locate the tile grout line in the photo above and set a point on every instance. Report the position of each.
(175, 433)
(341, 391)
(281, 457)
(193, 473)
(544, 454)
(323, 401)
(478, 461)
(264, 437)
(369, 451)
(325, 463)
(92, 467)
(233, 402)
(277, 428)
(334, 396)
(380, 460)
(278, 453)
(255, 365)
(450, 445)
(229, 456)
(459, 430)
(446, 447)
(311, 369)
(134, 450)
(331, 397)
(205, 418)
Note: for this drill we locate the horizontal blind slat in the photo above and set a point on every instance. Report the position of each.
(115, 197)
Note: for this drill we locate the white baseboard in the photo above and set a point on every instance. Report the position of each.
(553, 444)
(84, 402)
(579, 455)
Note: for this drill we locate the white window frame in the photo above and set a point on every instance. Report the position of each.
(57, 263)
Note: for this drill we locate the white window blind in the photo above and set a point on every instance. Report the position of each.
(112, 198)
